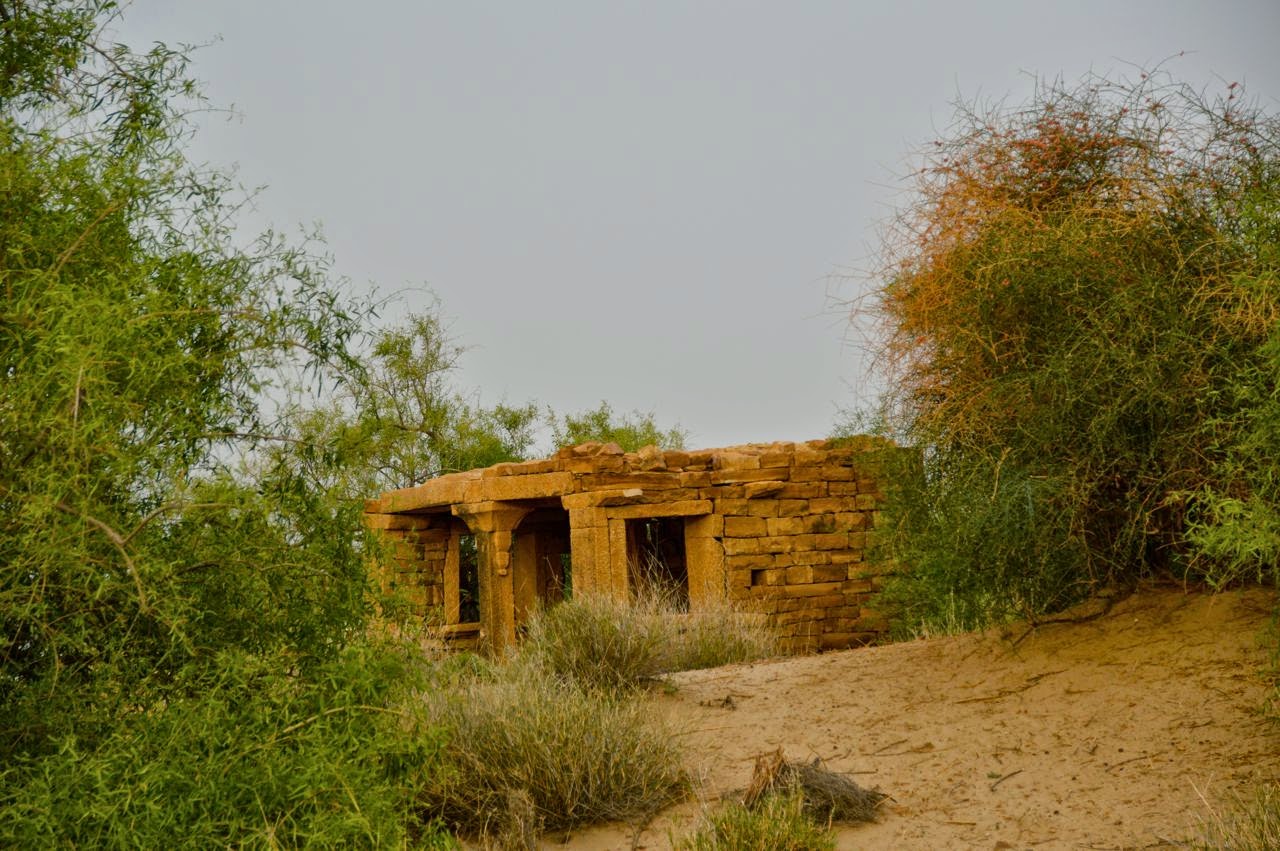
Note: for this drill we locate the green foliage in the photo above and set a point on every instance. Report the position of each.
(631, 432)
(181, 606)
(135, 343)
(400, 421)
(779, 823)
(243, 754)
(527, 752)
(1079, 313)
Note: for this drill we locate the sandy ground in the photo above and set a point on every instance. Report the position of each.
(1118, 732)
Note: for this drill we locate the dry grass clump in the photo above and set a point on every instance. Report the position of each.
(778, 824)
(527, 753)
(598, 642)
(619, 645)
(1251, 826)
(827, 796)
(721, 634)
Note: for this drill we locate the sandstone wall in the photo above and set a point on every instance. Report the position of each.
(781, 528)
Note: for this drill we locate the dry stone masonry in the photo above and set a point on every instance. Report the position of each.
(780, 528)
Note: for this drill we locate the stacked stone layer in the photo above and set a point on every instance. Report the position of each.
(782, 528)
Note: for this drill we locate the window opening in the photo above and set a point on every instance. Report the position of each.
(468, 580)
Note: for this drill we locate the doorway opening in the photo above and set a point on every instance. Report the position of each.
(656, 560)
(543, 567)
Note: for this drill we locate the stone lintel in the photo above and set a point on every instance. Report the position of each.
(601, 499)
(437, 493)
(681, 508)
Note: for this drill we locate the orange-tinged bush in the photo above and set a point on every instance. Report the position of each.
(1074, 311)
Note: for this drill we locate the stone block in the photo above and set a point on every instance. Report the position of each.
(771, 577)
(803, 490)
(704, 526)
(748, 561)
(809, 457)
(741, 546)
(794, 525)
(756, 490)
(792, 507)
(865, 502)
(838, 640)
(732, 476)
(851, 520)
(779, 543)
(746, 527)
(395, 522)
(433, 494)
(725, 461)
(778, 458)
(809, 573)
(675, 458)
(797, 616)
(831, 541)
(619, 479)
(694, 479)
(842, 488)
(679, 508)
(762, 507)
(816, 589)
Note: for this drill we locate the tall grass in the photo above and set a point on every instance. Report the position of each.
(526, 752)
(1252, 825)
(779, 823)
(604, 643)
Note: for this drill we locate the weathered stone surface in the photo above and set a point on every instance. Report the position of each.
(649, 458)
(783, 526)
(755, 490)
(745, 527)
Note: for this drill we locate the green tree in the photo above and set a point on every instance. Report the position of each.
(630, 431)
(401, 420)
(1080, 313)
(163, 614)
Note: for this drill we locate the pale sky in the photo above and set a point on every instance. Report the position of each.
(654, 203)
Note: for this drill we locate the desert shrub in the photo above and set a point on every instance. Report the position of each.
(1251, 825)
(779, 823)
(720, 634)
(1079, 316)
(249, 756)
(599, 642)
(525, 752)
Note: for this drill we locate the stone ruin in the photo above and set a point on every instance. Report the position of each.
(779, 528)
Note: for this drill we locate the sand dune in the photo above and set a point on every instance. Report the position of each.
(1115, 732)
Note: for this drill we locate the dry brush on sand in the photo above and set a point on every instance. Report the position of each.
(1124, 730)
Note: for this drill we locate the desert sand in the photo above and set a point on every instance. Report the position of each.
(1117, 731)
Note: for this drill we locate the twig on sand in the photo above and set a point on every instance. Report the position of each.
(1006, 777)
(1006, 692)
(1131, 759)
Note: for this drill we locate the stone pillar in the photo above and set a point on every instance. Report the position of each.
(704, 559)
(493, 524)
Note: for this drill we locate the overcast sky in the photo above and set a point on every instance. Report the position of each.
(652, 202)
